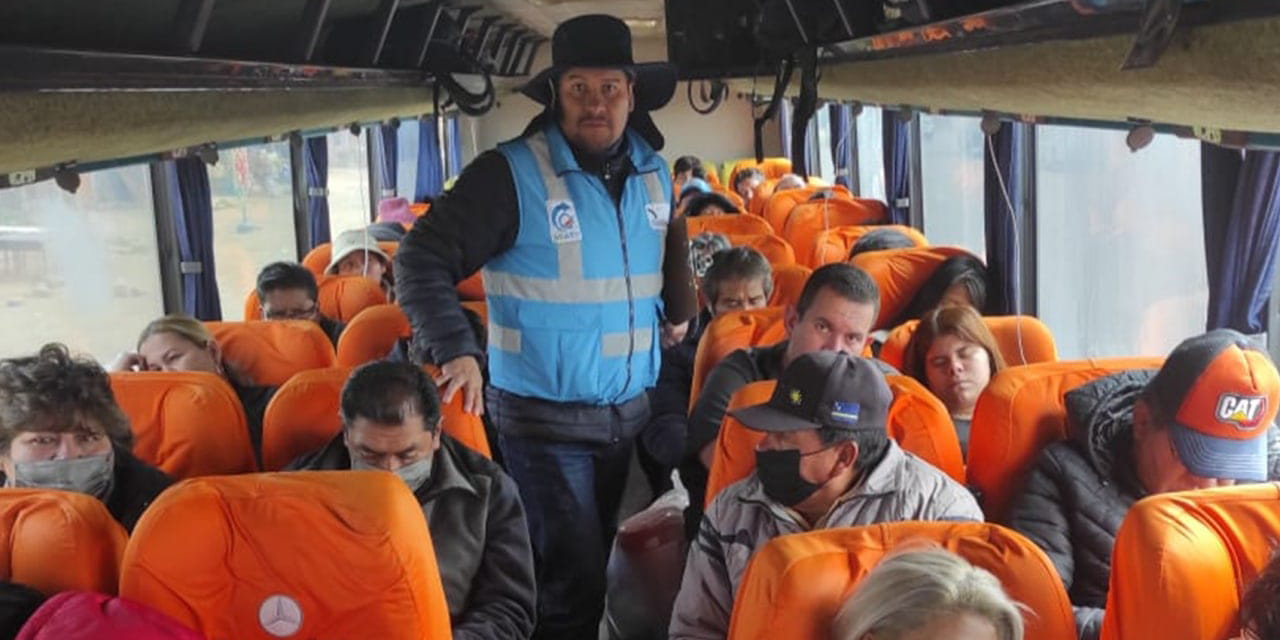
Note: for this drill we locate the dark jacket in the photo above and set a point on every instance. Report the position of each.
(669, 399)
(134, 485)
(331, 328)
(254, 400)
(479, 534)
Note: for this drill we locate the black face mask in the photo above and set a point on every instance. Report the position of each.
(779, 473)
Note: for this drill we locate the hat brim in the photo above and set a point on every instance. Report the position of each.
(763, 417)
(1210, 457)
(655, 84)
(337, 257)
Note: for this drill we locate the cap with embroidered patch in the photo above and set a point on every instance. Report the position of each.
(824, 389)
(1222, 393)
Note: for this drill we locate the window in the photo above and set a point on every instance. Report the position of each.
(80, 269)
(348, 181)
(870, 153)
(252, 191)
(951, 150)
(407, 158)
(1120, 242)
(819, 146)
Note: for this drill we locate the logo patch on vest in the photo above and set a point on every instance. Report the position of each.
(563, 220)
(659, 214)
(1245, 412)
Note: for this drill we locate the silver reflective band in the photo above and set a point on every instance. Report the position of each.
(619, 344)
(504, 339)
(558, 290)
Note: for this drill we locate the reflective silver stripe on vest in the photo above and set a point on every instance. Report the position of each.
(504, 339)
(619, 344)
(658, 194)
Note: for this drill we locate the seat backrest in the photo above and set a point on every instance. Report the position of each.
(780, 203)
(59, 541)
(338, 554)
(318, 258)
(1182, 562)
(186, 424)
(774, 249)
(252, 306)
(899, 274)
(917, 421)
(728, 224)
(788, 283)
(342, 297)
(834, 244)
(303, 416)
(732, 331)
(770, 167)
(760, 197)
(480, 308)
(798, 582)
(1021, 340)
(472, 287)
(1019, 413)
(270, 352)
(371, 335)
(808, 219)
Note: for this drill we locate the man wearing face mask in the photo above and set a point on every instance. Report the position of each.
(391, 422)
(60, 428)
(826, 461)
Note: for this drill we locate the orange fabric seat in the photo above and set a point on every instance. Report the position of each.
(798, 582)
(1182, 562)
(732, 331)
(1021, 340)
(185, 423)
(917, 421)
(371, 335)
(774, 249)
(771, 167)
(318, 258)
(1019, 413)
(779, 204)
(59, 541)
(480, 307)
(809, 219)
(729, 224)
(899, 274)
(472, 287)
(303, 416)
(788, 283)
(269, 352)
(325, 555)
(338, 297)
(834, 244)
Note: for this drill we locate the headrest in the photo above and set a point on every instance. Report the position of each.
(59, 541)
(342, 297)
(834, 244)
(732, 331)
(899, 273)
(372, 334)
(728, 224)
(269, 352)
(317, 259)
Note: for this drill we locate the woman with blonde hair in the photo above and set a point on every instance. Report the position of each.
(928, 594)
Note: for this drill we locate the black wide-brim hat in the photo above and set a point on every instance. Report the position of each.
(602, 42)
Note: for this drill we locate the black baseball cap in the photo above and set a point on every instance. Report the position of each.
(823, 390)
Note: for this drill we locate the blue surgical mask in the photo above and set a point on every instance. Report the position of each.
(89, 475)
(414, 475)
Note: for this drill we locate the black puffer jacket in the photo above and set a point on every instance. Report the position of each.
(1079, 491)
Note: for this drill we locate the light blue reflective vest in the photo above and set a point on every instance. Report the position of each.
(575, 304)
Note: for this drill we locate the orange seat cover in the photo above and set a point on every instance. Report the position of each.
(269, 352)
(185, 423)
(798, 582)
(732, 331)
(760, 197)
(480, 307)
(917, 421)
(728, 224)
(342, 297)
(834, 244)
(1182, 561)
(1019, 413)
(252, 306)
(59, 541)
(318, 258)
(303, 416)
(472, 287)
(1021, 340)
(419, 209)
(808, 219)
(780, 203)
(371, 335)
(771, 167)
(774, 249)
(899, 274)
(788, 283)
(338, 554)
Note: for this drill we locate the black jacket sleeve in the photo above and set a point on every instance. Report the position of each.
(502, 603)
(475, 221)
(733, 373)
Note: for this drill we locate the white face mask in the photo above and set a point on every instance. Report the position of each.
(89, 475)
(414, 475)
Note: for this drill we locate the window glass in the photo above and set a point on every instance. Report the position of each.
(951, 149)
(80, 269)
(348, 181)
(252, 193)
(870, 153)
(820, 146)
(1120, 242)
(407, 158)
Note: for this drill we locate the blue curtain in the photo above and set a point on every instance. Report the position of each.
(193, 225)
(453, 138)
(1242, 234)
(388, 148)
(841, 118)
(430, 178)
(1003, 265)
(315, 154)
(897, 169)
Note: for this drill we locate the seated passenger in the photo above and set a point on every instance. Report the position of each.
(691, 189)
(835, 312)
(182, 343)
(826, 461)
(954, 355)
(60, 428)
(789, 181)
(686, 168)
(739, 279)
(288, 291)
(960, 279)
(391, 422)
(879, 240)
(1260, 606)
(928, 595)
(706, 204)
(1201, 421)
(356, 253)
(746, 181)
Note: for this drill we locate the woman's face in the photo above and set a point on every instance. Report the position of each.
(165, 351)
(34, 446)
(362, 263)
(957, 371)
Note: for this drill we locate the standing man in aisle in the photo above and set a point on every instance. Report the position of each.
(586, 280)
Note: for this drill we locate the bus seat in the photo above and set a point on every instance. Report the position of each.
(1019, 413)
(1021, 339)
(788, 282)
(760, 197)
(779, 205)
(419, 209)
(808, 219)
(303, 417)
(917, 421)
(834, 244)
(321, 554)
(732, 331)
(1182, 561)
(728, 224)
(472, 287)
(318, 258)
(899, 273)
(59, 541)
(252, 306)
(798, 582)
(269, 352)
(342, 297)
(734, 199)
(771, 167)
(371, 335)
(774, 249)
(480, 308)
(187, 424)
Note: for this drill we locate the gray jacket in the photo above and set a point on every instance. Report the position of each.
(741, 519)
